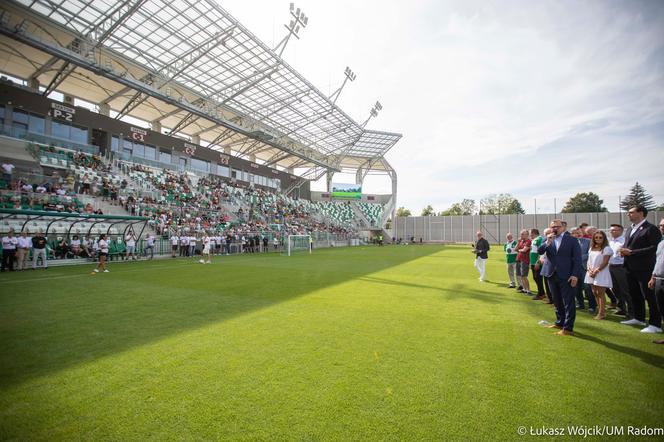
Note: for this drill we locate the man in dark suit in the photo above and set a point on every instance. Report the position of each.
(480, 249)
(641, 240)
(564, 255)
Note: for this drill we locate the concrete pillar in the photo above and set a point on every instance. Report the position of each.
(68, 99)
(156, 126)
(328, 178)
(105, 109)
(358, 176)
(196, 139)
(252, 158)
(227, 150)
(33, 83)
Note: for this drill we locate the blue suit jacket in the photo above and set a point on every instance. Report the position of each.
(566, 261)
(585, 249)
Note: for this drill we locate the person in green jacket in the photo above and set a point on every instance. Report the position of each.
(510, 254)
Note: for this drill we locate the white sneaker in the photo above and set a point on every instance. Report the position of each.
(96, 270)
(201, 261)
(106, 271)
(481, 280)
(651, 329)
(208, 262)
(633, 322)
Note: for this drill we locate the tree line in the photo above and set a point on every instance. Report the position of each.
(506, 204)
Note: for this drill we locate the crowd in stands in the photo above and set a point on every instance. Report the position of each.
(625, 265)
(56, 194)
(239, 218)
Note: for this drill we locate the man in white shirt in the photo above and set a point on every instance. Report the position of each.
(184, 245)
(130, 240)
(618, 273)
(174, 245)
(9, 244)
(7, 169)
(23, 250)
(149, 246)
(656, 282)
(192, 246)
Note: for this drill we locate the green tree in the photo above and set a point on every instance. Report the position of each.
(637, 197)
(584, 203)
(402, 211)
(465, 207)
(428, 211)
(500, 204)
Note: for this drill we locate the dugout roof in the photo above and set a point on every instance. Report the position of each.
(191, 67)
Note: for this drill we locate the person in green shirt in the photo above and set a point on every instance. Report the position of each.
(510, 254)
(535, 266)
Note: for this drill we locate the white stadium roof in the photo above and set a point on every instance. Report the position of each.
(190, 67)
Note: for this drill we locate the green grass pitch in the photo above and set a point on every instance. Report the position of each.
(366, 343)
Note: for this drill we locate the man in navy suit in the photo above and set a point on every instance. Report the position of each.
(564, 255)
(639, 251)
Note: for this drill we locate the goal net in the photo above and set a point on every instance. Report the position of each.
(298, 243)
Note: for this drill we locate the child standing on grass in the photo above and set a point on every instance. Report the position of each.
(597, 274)
(103, 253)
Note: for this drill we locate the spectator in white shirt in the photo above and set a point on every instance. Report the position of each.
(656, 282)
(7, 169)
(22, 251)
(103, 253)
(618, 274)
(130, 239)
(174, 245)
(205, 259)
(192, 246)
(75, 245)
(184, 245)
(149, 246)
(213, 241)
(9, 244)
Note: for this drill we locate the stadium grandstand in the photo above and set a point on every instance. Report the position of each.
(175, 114)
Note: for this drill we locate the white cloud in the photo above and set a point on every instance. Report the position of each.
(481, 88)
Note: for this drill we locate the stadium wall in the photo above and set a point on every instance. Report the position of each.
(25, 100)
(496, 227)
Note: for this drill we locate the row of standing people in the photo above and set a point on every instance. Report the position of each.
(627, 265)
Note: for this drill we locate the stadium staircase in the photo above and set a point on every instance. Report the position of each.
(361, 220)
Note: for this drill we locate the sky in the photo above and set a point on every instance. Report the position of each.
(537, 99)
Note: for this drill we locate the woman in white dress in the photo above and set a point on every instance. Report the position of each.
(597, 274)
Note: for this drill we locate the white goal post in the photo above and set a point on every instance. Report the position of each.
(298, 243)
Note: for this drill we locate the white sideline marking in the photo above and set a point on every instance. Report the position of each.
(87, 273)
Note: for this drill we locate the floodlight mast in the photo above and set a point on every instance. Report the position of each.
(350, 75)
(373, 113)
(299, 20)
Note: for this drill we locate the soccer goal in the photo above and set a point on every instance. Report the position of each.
(298, 243)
